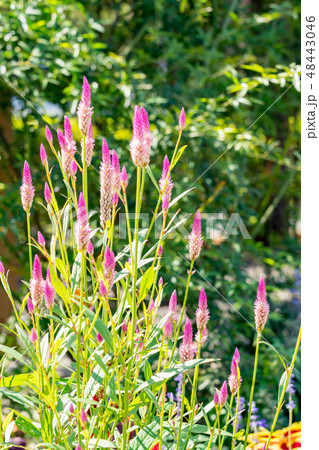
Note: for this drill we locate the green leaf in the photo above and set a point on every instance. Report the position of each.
(101, 443)
(179, 154)
(153, 179)
(76, 272)
(22, 379)
(28, 427)
(281, 384)
(101, 328)
(111, 389)
(158, 378)
(17, 397)
(146, 283)
(14, 354)
(61, 267)
(59, 287)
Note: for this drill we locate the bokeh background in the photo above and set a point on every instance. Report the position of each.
(234, 66)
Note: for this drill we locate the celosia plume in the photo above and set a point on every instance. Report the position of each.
(187, 349)
(84, 417)
(43, 155)
(85, 111)
(47, 193)
(30, 306)
(202, 313)
(34, 336)
(169, 183)
(36, 283)
(201, 335)
(74, 168)
(71, 408)
(223, 394)
(124, 327)
(140, 145)
(151, 306)
(90, 248)
(261, 307)
(2, 268)
(109, 267)
(216, 398)
(124, 178)
(173, 305)
(168, 329)
(83, 229)
(89, 146)
(99, 338)
(195, 238)
(165, 204)
(48, 135)
(49, 292)
(182, 119)
(233, 377)
(27, 189)
(103, 290)
(106, 185)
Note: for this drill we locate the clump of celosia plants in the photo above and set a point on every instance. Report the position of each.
(97, 300)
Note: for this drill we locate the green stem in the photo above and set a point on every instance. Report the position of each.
(194, 390)
(235, 423)
(182, 313)
(212, 431)
(181, 414)
(281, 400)
(84, 178)
(29, 242)
(228, 417)
(252, 388)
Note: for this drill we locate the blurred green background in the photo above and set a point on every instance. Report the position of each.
(233, 65)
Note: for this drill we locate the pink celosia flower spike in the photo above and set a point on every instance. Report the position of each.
(151, 306)
(27, 189)
(182, 119)
(109, 267)
(47, 193)
(84, 417)
(202, 313)
(2, 271)
(116, 182)
(124, 327)
(84, 109)
(48, 135)
(78, 447)
(99, 338)
(165, 205)
(103, 290)
(201, 338)
(83, 229)
(216, 398)
(106, 183)
(160, 251)
(30, 306)
(168, 329)
(89, 146)
(34, 336)
(223, 394)
(90, 248)
(36, 283)
(195, 238)
(74, 168)
(71, 408)
(162, 181)
(233, 377)
(49, 292)
(261, 307)
(187, 350)
(173, 305)
(68, 147)
(124, 178)
(140, 145)
(161, 282)
(41, 239)
(43, 155)
(115, 199)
